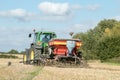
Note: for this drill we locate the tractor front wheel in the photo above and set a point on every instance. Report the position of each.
(32, 53)
(24, 58)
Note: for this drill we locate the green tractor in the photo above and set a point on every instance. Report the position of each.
(39, 47)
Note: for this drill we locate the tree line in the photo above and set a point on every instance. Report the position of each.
(10, 54)
(13, 51)
(102, 42)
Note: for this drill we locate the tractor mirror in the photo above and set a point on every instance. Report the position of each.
(30, 35)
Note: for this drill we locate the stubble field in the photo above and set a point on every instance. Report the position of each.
(20, 71)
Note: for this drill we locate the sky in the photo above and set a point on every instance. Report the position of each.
(18, 18)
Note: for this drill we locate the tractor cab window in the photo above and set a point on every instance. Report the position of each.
(45, 37)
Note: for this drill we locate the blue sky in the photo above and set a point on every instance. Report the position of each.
(19, 18)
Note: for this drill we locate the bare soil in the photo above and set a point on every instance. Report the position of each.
(20, 71)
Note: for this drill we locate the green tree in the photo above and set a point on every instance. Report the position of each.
(12, 51)
(109, 48)
(109, 45)
(22, 52)
(102, 41)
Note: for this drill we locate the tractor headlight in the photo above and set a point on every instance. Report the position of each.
(79, 44)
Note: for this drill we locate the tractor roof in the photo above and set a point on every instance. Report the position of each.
(45, 32)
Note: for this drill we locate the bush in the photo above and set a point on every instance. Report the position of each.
(12, 51)
(109, 48)
(8, 56)
(114, 60)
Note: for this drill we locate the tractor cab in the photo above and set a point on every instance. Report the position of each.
(45, 37)
(41, 38)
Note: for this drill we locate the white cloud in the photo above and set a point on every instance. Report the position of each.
(86, 7)
(76, 7)
(19, 14)
(51, 8)
(93, 7)
(116, 18)
(23, 15)
(54, 18)
(51, 12)
(81, 27)
(78, 28)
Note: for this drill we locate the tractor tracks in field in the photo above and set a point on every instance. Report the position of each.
(88, 67)
(100, 68)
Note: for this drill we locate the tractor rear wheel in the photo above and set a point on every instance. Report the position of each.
(38, 57)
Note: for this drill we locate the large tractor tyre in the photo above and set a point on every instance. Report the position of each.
(39, 57)
(24, 58)
(32, 54)
(37, 54)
